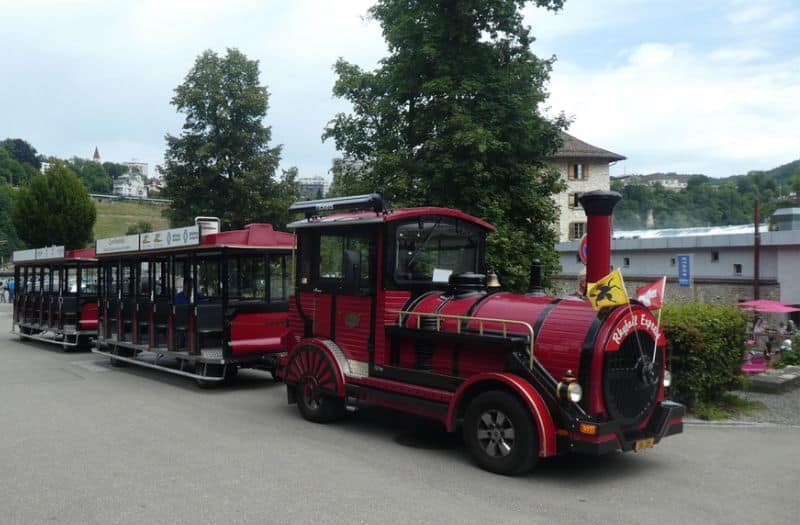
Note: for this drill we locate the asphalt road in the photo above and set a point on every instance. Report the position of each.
(83, 443)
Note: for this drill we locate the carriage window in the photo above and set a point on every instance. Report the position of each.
(144, 280)
(88, 281)
(70, 280)
(46, 279)
(181, 275)
(433, 248)
(246, 278)
(333, 251)
(111, 281)
(279, 283)
(56, 276)
(128, 280)
(160, 278)
(208, 281)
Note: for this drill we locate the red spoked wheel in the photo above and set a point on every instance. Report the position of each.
(312, 374)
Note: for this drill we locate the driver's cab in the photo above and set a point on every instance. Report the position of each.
(355, 270)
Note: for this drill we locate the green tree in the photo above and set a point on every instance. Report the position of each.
(114, 170)
(54, 208)
(7, 231)
(222, 163)
(139, 227)
(23, 152)
(451, 118)
(13, 171)
(92, 174)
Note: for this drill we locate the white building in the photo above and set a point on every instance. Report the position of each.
(312, 187)
(584, 168)
(130, 185)
(137, 168)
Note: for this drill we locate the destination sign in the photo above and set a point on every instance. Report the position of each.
(23, 255)
(125, 243)
(50, 252)
(174, 238)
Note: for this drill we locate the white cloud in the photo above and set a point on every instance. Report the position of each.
(669, 108)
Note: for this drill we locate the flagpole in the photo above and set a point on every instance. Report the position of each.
(658, 322)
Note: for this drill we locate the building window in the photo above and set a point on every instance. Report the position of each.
(737, 269)
(672, 261)
(626, 262)
(576, 230)
(573, 200)
(577, 172)
(714, 257)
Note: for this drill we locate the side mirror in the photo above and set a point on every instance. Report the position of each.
(352, 269)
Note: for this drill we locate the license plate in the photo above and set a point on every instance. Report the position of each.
(642, 444)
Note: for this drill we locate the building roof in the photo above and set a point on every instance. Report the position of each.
(573, 148)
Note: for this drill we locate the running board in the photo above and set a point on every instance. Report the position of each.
(145, 364)
(45, 339)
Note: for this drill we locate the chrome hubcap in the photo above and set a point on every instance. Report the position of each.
(495, 433)
(310, 396)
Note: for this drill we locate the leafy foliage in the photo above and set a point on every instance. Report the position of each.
(7, 231)
(450, 118)
(139, 227)
(706, 345)
(114, 170)
(54, 208)
(13, 171)
(22, 152)
(707, 202)
(92, 174)
(222, 164)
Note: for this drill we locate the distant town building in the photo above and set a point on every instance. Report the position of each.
(96, 156)
(670, 181)
(312, 187)
(584, 168)
(722, 260)
(130, 185)
(155, 184)
(45, 166)
(136, 167)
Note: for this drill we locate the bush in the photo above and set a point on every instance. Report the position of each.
(705, 344)
(790, 357)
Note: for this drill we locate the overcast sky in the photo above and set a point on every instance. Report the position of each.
(690, 86)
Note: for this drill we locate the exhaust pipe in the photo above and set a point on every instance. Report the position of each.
(598, 205)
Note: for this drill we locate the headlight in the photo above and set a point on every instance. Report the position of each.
(667, 378)
(569, 391)
(574, 392)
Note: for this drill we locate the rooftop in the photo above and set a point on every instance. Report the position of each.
(573, 148)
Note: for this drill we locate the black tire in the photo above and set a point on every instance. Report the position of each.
(500, 434)
(316, 406)
(231, 371)
(84, 343)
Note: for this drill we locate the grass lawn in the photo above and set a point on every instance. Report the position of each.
(114, 218)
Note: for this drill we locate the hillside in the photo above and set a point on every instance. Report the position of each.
(114, 218)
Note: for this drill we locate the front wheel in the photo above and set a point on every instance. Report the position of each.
(500, 435)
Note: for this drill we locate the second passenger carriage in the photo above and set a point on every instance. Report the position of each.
(196, 305)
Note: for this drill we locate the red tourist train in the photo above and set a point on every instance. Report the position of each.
(392, 308)
(56, 296)
(195, 305)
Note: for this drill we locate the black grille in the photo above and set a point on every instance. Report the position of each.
(630, 383)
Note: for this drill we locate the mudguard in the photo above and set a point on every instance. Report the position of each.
(526, 392)
(331, 350)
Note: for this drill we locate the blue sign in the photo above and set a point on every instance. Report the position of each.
(684, 270)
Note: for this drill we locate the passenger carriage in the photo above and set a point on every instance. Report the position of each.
(56, 296)
(195, 305)
(393, 309)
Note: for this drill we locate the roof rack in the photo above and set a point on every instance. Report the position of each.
(372, 201)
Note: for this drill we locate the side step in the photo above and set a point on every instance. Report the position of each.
(145, 364)
(45, 339)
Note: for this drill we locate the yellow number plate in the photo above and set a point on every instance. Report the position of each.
(643, 444)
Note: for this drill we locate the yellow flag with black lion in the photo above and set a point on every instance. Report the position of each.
(608, 291)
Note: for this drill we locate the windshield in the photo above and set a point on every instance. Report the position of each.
(432, 248)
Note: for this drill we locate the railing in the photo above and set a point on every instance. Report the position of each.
(402, 315)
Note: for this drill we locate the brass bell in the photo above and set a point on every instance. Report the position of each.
(492, 281)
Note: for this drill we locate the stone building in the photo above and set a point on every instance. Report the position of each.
(584, 168)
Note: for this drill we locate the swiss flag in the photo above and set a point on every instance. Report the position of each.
(652, 295)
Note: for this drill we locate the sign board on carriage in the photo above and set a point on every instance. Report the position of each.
(23, 255)
(49, 252)
(174, 238)
(124, 243)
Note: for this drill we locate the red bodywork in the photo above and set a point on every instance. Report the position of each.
(437, 355)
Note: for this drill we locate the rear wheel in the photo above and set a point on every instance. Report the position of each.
(207, 370)
(500, 435)
(315, 386)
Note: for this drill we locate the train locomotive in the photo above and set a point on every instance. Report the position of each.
(393, 308)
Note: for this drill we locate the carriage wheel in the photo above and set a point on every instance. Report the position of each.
(500, 435)
(315, 386)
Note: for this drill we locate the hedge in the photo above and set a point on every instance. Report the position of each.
(705, 344)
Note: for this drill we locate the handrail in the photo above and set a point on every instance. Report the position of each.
(481, 320)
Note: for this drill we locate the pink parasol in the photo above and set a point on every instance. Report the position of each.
(767, 306)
